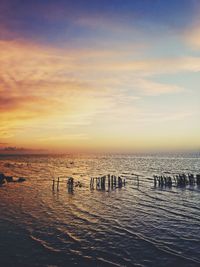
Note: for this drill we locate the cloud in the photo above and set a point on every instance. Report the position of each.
(63, 96)
(193, 38)
(164, 117)
(35, 78)
(48, 78)
(151, 67)
(65, 137)
(151, 88)
(191, 34)
(39, 86)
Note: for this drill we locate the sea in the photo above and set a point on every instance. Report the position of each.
(138, 224)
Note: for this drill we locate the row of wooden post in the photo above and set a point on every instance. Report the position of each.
(109, 181)
(179, 180)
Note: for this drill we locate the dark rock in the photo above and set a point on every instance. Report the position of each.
(5, 178)
(21, 179)
(9, 179)
(2, 181)
(2, 175)
(2, 178)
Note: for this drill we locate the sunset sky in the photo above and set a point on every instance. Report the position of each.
(100, 75)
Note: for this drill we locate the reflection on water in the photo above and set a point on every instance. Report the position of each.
(137, 225)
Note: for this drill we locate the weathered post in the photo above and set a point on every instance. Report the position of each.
(70, 184)
(102, 182)
(108, 180)
(162, 180)
(58, 181)
(92, 182)
(184, 179)
(165, 180)
(111, 181)
(119, 181)
(155, 180)
(124, 181)
(191, 178)
(198, 179)
(115, 180)
(169, 181)
(53, 185)
(98, 182)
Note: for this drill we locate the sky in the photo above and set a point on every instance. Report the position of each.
(100, 75)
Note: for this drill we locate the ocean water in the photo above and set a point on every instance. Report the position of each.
(137, 225)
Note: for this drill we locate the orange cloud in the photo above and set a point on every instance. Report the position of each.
(67, 98)
(39, 88)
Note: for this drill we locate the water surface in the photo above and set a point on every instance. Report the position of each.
(137, 225)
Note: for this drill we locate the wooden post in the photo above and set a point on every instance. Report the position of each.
(91, 182)
(170, 181)
(104, 182)
(58, 181)
(162, 180)
(198, 179)
(101, 182)
(98, 182)
(70, 184)
(124, 181)
(119, 181)
(115, 180)
(155, 181)
(108, 180)
(53, 185)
